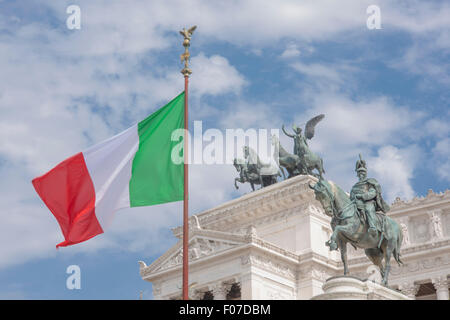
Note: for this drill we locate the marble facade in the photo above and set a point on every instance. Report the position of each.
(270, 244)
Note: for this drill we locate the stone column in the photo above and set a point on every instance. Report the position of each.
(441, 286)
(247, 286)
(409, 289)
(157, 291)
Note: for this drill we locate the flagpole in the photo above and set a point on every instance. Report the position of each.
(186, 72)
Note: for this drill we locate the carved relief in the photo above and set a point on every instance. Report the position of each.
(436, 225)
(316, 272)
(251, 232)
(446, 223)
(198, 248)
(405, 233)
(277, 295)
(423, 265)
(421, 228)
(268, 265)
(374, 274)
(320, 274)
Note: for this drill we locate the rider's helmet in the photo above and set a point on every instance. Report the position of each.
(360, 165)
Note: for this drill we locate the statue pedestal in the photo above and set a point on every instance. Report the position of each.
(351, 288)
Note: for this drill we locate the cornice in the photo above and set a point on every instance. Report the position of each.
(275, 201)
(193, 234)
(243, 242)
(420, 203)
(410, 253)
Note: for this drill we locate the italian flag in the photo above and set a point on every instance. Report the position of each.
(131, 169)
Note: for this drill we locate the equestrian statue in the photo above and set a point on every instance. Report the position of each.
(361, 220)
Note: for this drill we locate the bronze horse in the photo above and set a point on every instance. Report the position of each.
(291, 162)
(245, 175)
(350, 226)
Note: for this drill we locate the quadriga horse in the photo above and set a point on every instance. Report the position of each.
(245, 175)
(290, 162)
(349, 226)
(309, 159)
(267, 171)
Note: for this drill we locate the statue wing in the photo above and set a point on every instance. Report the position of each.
(311, 124)
(192, 29)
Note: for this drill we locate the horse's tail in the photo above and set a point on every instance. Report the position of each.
(396, 251)
(321, 164)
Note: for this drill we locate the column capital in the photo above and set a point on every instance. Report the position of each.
(409, 289)
(219, 291)
(441, 285)
(195, 294)
(440, 282)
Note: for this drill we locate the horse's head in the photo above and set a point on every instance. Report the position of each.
(324, 195)
(275, 140)
(251, 156)
(237, 165)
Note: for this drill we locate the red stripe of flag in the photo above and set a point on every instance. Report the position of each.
(68, 191)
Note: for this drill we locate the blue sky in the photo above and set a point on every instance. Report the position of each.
(255, 65)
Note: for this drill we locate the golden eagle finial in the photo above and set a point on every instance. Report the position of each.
(187, 34)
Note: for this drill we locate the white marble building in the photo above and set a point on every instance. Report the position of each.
(270, 244)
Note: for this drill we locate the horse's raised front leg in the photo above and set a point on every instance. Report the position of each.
(332, 243)
(283, 174)
(235, 182)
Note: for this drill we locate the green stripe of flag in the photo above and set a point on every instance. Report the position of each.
(155, 178)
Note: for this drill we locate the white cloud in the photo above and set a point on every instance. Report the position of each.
(28, 231)
(361, 122)
(291, 51)
(416, 16)
(428, 25)
(437, 127)
(215, 76)
(248, 114)
(318, 71)
(320, 77)
(394, 169)
(441, 159)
